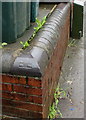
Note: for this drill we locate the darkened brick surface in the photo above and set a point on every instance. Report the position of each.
(12, 111)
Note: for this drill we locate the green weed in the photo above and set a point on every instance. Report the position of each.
(72, 43)
(24, 44)
(39, 24)
(36, 29)
(2, 44)
(54, 109)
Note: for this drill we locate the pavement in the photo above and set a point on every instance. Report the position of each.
(72, 81)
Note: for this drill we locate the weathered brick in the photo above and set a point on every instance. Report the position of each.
(9, 79)
(34, 91)
(6, 87)
(16, 112)
(0, 94)
(23, 105)
(14, 96)
(22, 97)
(22, 80)
(0, 78)
(19, 89)
(0, 87)
(12, 79)
(34, 82)
(35, 99)
(27, 90)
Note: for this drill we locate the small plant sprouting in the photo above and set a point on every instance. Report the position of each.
(72, 43)
(3, 44)
(24, 44)
(39, 24)
(54, 109)
(36, 29)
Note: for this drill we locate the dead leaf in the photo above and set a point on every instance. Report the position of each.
(69, 82)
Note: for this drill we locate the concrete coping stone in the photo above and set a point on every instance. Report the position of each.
(34, 59)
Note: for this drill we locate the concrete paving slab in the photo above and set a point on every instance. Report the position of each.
(72, 80)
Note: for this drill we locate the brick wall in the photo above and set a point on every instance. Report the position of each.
(22, 97)
(30, 97)
(52, 72)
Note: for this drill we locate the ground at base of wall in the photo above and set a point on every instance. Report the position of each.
(72, 80)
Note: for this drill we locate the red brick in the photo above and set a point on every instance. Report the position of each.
(9, 79)
(34, 91)
(0, 94)
(0, 78)
(0, 87)
(7, 87)
(16, 112)
(34, 82)
(14, 96)
(12, 79)
(22, 97)
(7, 95)
(23, 105)
(27, 90)
(19, 89)
(35, 99)
(22, 80)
